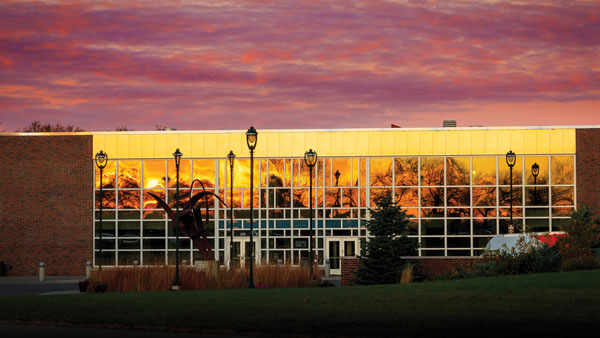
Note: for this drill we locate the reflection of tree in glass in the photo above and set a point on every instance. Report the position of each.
(406, 170)
(458, 197)
(562, 196)
(279, 197)
(484, 196)
(432, 196)
(381, 172)
(300, 198)
(129, 199)
(458, 171)
(109, 200)
(432, 171)
(562, 170)
(349, 197)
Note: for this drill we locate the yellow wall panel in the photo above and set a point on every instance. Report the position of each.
(197, 141)
(135, 146)
(98, 144)
(464, 142)
(185, 145)
(210, 145)
(412, 143)
(362, 143)
(285, 144)
(452, 142)
(478, 142)
(529, 142)
(123, 146)
(323, 144)
(556, 141)
(160, 146)
(543, 141)
(491, 142)
(439, 142)
(569, 141)
(426, 143)
(374, 143)
(504, 141)
(349, 143)
(298, 144)
(222, 145)
(310, 141)
(110, 146)
(336, 140)
(387, 143)
(400, 143)
(339, 143)
(516, 141)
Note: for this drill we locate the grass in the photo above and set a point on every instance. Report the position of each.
(548, 304)
(160, 278)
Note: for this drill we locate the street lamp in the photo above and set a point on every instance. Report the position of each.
(511, 159)
(251, 137)
(535, 171)
(337, 177)
(231, 158)
(310, 158)
(101, 160)
(177, 154)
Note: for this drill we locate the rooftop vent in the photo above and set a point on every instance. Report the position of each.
(449, 123)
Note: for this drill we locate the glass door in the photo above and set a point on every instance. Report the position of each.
(338, 248)
(241, 249)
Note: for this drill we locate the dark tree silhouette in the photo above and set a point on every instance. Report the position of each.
(37, 127)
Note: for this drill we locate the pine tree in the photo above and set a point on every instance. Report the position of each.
(387, 242)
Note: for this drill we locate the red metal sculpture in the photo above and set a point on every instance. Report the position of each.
(190, 219)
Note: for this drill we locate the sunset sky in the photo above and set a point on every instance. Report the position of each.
(298, 64)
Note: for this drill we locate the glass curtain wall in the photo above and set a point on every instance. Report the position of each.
(455, 204)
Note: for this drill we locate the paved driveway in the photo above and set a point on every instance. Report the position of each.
(30, 285)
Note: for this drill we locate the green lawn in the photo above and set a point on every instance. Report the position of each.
(535, 305)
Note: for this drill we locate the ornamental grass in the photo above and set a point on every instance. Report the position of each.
(160, 278)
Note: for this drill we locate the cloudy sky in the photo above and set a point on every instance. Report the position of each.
(298, 64)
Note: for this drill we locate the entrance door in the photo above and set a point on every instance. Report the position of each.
(241, 248)
(338, 248)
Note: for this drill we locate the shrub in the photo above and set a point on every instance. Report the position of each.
(580, 263)
(582, 234)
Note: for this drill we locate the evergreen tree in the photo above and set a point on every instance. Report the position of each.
(387, 242)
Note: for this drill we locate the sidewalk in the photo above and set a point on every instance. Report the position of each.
(31, 285)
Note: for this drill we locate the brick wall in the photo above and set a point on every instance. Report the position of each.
(588, 168)
(46, 215)
(427, 266)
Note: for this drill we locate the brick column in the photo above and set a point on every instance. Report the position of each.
(588, 168)
(46, 203)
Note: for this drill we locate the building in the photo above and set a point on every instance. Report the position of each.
(453, 182)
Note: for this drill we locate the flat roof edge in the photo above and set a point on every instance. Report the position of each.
(149, 132)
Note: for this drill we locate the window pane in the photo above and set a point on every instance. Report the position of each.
(129, 174)
(484, 226)
(536, 195)
(150, 202)
(432, 171)
(204, 170)
(381, 172)
(504, 171)
(458, 170)
(484, 170)
(276, 173)
(562, 169)
(563, 196)
(184, 174)
(154, 174)
(432, 227)
(129, 199)
(459, 227)
(484, 196)
(542, 162)
(406, 171)
(109, 173)
(432, 197)
(505, 196)
(407, 197)
(458, 197)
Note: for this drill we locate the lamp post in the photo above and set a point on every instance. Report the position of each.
(101, 160)
(231, 158)
(511, 159)
(177, 154)
(535, 171)
(310, 158)
(251, 137)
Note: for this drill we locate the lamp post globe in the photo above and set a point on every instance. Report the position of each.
(251, 138)
(231, 159)
(177, 155)
(511, 160)
(535, 171)
(310, 159)
(101, 160)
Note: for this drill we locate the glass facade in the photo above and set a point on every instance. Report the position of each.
(456, 202)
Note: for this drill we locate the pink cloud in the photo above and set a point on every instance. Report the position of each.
(298, 64)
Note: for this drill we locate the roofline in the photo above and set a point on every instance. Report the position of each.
(293, 130)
